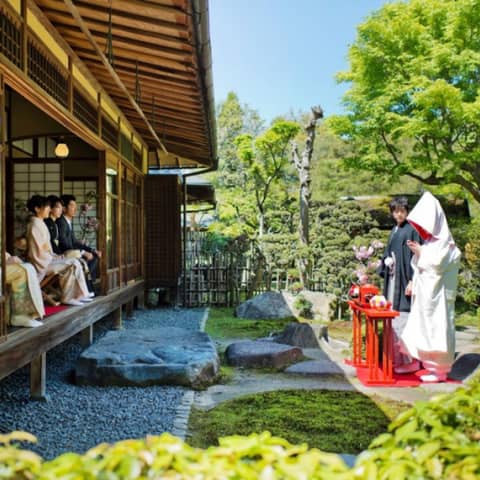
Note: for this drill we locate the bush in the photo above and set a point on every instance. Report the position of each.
(303, 306)
(295, 287)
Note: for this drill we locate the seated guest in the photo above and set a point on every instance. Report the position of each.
(74, 290)
(67, 239)
(27, 303)
(56, 210)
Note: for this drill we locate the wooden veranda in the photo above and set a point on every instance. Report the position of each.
(127, 85)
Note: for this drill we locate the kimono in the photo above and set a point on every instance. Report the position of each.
(71, 277)
(396, 278)
(27, 302)
(430, 331)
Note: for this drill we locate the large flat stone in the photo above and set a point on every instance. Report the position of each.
(256, 354)
(167, 356)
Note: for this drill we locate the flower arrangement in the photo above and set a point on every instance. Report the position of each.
(367, 263)
(88, 223)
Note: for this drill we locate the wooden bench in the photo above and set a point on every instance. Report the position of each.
(25, 346)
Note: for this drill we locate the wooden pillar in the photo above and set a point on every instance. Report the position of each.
(86, 336)
(141, 300)
(38, 377)
(129, 308)
(117, 318)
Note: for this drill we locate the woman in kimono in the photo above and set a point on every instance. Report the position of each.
(73, 287)
(429, 335)
(27, 303)
(397, 272)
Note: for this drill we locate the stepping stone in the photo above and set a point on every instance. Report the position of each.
(464, 366)
(298, 334)
(319, 367)
(255, 354)
(167, 356)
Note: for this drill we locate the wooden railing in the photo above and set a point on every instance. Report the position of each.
(11, 37)
(84, 110)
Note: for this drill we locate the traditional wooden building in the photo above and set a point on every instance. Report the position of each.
(126, 85)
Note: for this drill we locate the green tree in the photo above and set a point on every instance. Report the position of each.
(265, 160)
(413, 104)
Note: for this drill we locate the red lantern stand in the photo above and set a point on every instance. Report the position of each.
(373, 316)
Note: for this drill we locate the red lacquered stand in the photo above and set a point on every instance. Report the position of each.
(373, 317)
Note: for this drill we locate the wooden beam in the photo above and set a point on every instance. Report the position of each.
(76, 15)
(38, 377)
(129, 29)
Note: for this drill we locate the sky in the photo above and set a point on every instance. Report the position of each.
(282, 55)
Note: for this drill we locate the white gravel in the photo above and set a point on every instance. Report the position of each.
(78, 418)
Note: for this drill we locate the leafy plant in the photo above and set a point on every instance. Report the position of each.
(304, 306)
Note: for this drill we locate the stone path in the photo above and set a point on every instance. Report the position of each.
(327, 370)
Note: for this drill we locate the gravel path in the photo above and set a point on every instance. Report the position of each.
(78, 418)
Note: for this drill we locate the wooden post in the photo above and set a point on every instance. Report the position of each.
(86, 336)
(117, 318)
(38, 376)
(129, 308)
(141, 300)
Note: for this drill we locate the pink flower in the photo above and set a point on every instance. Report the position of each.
(85, 207)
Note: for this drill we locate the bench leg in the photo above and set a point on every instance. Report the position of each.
(38, 376)
(141, 301)
(117, 318)
(129, 308)
(86, 336)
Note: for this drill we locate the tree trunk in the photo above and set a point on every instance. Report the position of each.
(303, 167)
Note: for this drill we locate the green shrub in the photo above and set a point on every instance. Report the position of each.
(303, 306)
(295, 287)
(438, 439)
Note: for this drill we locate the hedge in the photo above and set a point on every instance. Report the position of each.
(438, 439)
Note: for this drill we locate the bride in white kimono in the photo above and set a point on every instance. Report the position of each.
(429, 335)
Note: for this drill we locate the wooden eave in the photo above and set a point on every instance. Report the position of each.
(157, 79)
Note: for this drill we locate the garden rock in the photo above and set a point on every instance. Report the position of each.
(268, 305)
(167, 356)
(257, 354)
(298, 334)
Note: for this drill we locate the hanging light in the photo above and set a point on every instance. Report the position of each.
(61, 150)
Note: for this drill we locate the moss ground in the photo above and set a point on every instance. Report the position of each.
(334, 421)
(222, 324)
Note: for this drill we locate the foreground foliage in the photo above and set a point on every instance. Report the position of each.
(439, 439)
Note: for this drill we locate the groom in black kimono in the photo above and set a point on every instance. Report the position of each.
(397, 272)
(67, 239)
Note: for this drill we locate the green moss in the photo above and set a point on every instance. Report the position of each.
(334, 421)
(222, 323)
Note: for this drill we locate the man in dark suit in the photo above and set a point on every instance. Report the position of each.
(67, 239)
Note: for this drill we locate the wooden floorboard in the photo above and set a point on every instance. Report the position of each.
(25, 344)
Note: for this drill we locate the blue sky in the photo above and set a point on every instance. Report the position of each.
(279, 55)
